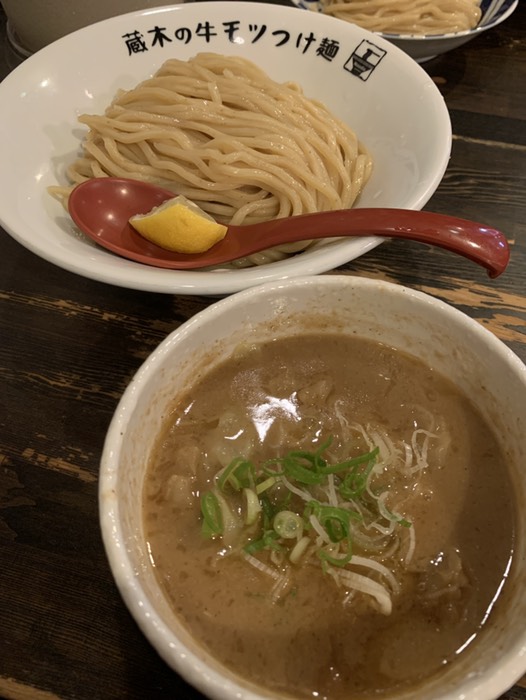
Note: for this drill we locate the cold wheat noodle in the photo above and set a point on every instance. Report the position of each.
(218, 130)
(419, 17)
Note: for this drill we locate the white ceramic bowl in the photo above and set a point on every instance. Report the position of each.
(457, 346)
(394, 107)
(424, 48)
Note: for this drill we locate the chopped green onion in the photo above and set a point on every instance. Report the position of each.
(212, 516)
(325, 556)
(335, 521)
(269, 540)
(299, 549)
(268, 511)
(239, 474)
(288, 524)
(252, 506)
(355, 482)
(369, 457)
(295, 505)
(232, 523)
(266, 484)
(293, 469)
(310, 468)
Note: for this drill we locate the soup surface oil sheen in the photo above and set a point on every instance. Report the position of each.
(431, 534)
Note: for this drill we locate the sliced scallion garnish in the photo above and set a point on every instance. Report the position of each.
(289, 509)
(252, 506)
(212, 516)
(288, 524)
(239, 474)
(269, 540)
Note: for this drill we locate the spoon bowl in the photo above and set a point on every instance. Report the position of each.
(102, 207)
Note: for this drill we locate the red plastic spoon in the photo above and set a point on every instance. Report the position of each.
(101, 208)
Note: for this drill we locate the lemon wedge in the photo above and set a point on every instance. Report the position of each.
(179, 225)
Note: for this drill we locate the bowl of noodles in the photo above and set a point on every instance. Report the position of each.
(425, 28)
(253, 111)
(315, 488)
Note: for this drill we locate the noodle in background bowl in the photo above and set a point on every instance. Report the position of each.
(388, 100)
(449, 341)
(424, 48)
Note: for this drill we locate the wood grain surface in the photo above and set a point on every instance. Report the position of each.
(70, 345)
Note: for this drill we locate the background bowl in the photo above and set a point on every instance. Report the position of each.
(389, 101)
(448, 340)
(424, 48)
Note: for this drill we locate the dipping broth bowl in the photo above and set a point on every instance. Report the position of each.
(456, 346)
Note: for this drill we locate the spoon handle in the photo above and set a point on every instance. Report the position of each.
(477, 242)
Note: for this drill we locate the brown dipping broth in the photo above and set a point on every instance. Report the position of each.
(292, 393)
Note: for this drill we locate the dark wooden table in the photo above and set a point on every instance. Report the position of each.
(70, 345)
